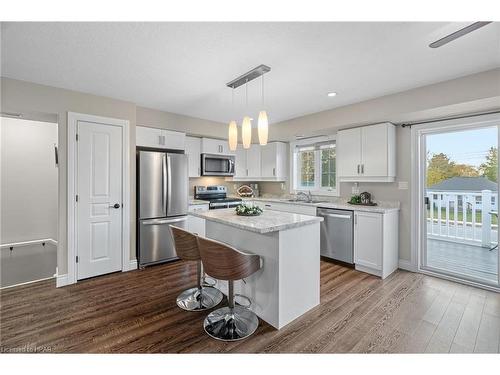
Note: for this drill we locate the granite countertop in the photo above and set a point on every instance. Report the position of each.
(269, 221)
(382, 207)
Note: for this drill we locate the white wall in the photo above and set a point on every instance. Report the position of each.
(28, 180)
(41, 101)
(473, 93)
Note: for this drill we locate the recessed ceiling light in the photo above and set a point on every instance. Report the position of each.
(332, 94)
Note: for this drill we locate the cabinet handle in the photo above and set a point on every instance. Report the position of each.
(247, 172)
(362, 169)
(274, 171)
(358, 168)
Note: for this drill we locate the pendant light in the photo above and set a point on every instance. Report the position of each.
(246, 126)
(233, 128)
(263, 124)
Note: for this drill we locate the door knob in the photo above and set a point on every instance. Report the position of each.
(116, 205)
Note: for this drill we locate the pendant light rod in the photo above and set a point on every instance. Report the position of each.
(262, 90)
(246, 90)
(248, 76)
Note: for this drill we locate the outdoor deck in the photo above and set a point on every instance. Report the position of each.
(462, 259)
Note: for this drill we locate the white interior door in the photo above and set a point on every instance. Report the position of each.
(99, 206)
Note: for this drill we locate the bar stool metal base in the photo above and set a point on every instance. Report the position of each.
(226, 325)
(195, 300)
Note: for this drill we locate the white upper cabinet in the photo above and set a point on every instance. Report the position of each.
(148, 137)
(261, 163)
(274, 157)
(240, 163)
(349, 152)
(215, 146)
(193, 151)
(367, 153)
(253, 161)
(159, 138)
(247, 163)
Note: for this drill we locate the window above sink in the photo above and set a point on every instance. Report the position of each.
(313, 166)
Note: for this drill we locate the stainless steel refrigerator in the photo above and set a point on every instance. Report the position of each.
(162, 197)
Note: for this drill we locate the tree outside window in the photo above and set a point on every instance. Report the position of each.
(328, 175)
(306, 161)
(315, 167)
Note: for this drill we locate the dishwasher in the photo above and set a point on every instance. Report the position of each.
(337, 234)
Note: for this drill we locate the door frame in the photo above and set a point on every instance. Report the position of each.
(73, 119)
(417, 182)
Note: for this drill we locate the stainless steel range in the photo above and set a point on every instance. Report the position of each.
(216, 195)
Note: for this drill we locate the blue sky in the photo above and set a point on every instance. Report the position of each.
(464, 147)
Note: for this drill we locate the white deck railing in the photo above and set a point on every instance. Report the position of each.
(462, 217)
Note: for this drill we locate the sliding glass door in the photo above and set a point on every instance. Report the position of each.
(459, 201)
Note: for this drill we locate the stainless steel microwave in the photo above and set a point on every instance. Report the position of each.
(217, 165)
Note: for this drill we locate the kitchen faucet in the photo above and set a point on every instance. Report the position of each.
(308, 196)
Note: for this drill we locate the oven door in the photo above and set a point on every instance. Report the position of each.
(217, 165)
(218, 205)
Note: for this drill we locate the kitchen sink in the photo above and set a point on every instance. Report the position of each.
(304, 201)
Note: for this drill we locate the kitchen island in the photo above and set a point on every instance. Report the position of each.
(287, 285)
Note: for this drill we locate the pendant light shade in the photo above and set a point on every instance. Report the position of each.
(263, 128)
(246, 132)
(233, 135)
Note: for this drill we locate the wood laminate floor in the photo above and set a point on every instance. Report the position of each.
(136, 312)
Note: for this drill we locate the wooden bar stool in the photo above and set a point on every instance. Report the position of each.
(201, 297)
(224, 262)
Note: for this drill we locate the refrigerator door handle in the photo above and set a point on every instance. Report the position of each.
(169, 182)
(164, 183)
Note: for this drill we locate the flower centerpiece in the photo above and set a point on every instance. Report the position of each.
(248, 210)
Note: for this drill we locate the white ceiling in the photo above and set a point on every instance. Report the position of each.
(183, 67)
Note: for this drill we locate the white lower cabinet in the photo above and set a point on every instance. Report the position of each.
(196, 224)
(293, 208)
(376, 242)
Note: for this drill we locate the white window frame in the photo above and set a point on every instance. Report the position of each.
(316, 190)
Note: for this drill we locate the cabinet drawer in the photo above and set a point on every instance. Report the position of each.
(198, 207)
(293, 208)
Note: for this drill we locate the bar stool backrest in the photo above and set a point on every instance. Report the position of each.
(224, 262)
(186, 245)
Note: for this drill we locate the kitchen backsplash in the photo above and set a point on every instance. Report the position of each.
(270, 188)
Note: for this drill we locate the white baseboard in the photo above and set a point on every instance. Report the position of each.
(407, 265)
(132, 265)
(62, 280)
(26, 283)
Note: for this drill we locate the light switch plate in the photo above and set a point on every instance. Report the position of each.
(403, 185)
